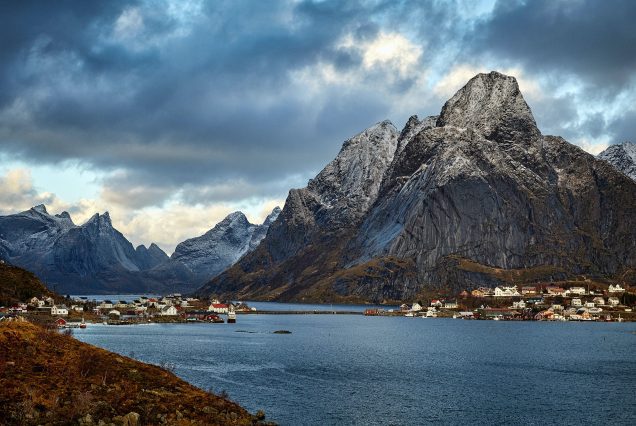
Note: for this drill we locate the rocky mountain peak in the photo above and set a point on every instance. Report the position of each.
(351, 181)
(272, 216)
(493, 105)
(234, 219)
(40, 208)
(622, 157)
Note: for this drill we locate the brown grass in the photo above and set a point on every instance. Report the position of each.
(49, 377)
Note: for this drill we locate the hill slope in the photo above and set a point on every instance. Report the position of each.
(47, 377)
(18, 285)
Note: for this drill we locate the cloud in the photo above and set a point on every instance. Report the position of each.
(177, 104)
(165, 226)
(594, 40)
(17, 193)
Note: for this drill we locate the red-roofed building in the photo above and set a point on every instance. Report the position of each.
(219, 308)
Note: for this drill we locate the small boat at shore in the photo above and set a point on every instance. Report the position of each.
(231, 317)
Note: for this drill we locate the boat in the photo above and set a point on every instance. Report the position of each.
(231, 317)
(409, 314)
(619, 319)
(82, 324)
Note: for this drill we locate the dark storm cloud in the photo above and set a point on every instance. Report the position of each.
(595, 40)
(195, 101)
(172, 108)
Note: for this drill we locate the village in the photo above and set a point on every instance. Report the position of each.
(529, 303)
(520, 303)
(76, 312)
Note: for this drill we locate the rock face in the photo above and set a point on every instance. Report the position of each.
(213, 252)
(96, 258)
(623, 157)
(474, 196)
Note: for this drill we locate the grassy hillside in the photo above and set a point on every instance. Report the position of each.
(18, 285)
(51, 378)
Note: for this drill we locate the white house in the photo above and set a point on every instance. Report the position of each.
(613, 301)
(450, 304)
(114, 313)
(106, 304)
(518, 305)
(576, 302)
(506, 292)
(577, 290)
(416, 307)
(616, 289)
(59, 310)
(168, 310)
(598, 301)
(589, 304)
(219, 308)
(437, 303)
(77, 308)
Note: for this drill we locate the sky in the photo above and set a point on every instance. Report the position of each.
(171, 114)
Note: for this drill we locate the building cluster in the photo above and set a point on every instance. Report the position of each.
(575, 303)
(44, 305)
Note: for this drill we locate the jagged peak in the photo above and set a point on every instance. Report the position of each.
(272, 216)
(63, 215)
(493, 105)
(40, 208)
(66, 217)
(234, 218)
(104, 218)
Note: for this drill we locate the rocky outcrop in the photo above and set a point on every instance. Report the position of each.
(443, 204)
(622, 157)
(213, 252)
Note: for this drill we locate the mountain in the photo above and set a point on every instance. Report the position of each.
(213, 252)
(474, 196)
(96, 258)
(93, 257)
(148, 258)
(622, 156)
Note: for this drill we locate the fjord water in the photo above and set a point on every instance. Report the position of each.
(351, 369)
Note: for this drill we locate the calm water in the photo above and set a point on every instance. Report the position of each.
(128, 298)
(349, 369)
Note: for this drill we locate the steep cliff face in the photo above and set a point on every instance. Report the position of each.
(477, 187)
(622, 157)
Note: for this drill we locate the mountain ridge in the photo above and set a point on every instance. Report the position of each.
(481, 184)
(94, 257)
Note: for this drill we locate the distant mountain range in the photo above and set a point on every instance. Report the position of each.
(474, 196)
(96, 258)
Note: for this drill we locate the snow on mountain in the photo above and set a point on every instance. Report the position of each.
(622, 156)
(458, 200)
(213, 252)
